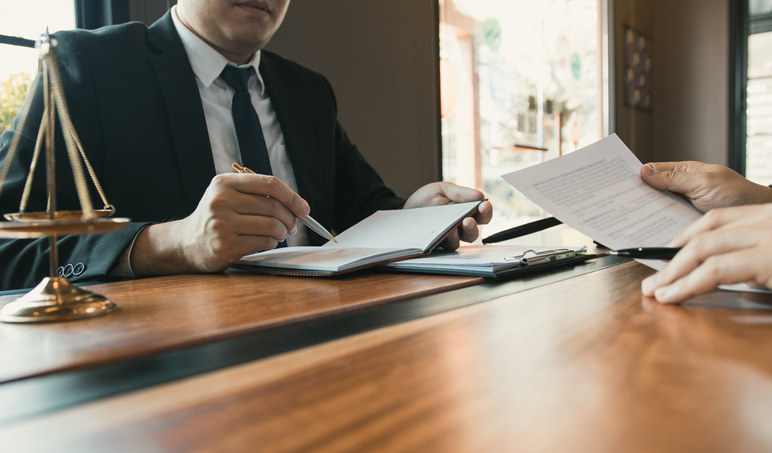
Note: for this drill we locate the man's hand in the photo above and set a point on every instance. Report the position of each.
(706, 186)
(238, 214)
(726, 246)
(440, 193)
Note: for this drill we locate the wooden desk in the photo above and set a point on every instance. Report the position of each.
(170, 313)
(581, 364)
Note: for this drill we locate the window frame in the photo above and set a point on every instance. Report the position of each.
(93, 14)
(89, 14)
(739, 28)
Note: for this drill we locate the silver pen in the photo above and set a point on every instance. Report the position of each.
(309, 221)
(317, 227)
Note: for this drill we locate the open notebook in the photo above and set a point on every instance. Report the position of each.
(382, 237)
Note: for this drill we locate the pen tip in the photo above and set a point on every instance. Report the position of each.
(333, 240)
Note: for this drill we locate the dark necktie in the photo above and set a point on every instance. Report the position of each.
(254, 153)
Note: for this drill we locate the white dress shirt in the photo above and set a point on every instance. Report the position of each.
(216, 97)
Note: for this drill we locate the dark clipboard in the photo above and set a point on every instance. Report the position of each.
(545, 262)
(517, 272)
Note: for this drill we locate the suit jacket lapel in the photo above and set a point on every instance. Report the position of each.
(299, 136)
(186, 114)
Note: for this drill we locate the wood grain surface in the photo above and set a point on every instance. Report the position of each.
(167, 313)
(585, 364)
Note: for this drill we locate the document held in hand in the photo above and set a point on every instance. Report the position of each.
(384, 236)
(598, 190)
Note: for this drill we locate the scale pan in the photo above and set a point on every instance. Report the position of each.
(58, 215)
(45, 227)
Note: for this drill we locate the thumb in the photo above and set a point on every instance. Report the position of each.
(665, 177)
(652, 174)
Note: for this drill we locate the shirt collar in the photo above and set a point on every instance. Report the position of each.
(206, 62)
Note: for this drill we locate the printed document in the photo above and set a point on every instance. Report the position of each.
(598, 190)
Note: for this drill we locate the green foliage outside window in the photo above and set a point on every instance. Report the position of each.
(12, 93)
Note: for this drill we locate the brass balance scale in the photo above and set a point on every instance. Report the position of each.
(54, 298)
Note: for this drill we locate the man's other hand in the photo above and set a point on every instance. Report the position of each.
(441, 193)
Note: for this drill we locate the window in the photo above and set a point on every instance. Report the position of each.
(25, 19)
(521, 81)
(758, 158)
(758, 143)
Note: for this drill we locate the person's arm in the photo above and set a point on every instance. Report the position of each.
(26, 261)
(239, 214)
(706, 186)
(440, 193)
(726, 246)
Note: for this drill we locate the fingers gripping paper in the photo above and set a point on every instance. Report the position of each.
(598, 190)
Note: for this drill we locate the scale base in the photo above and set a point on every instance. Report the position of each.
(55, 299)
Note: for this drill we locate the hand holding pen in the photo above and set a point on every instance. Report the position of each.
(235, 216)
(309, 221)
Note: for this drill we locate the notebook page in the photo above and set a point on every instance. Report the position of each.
(316, 258)
(416, 228)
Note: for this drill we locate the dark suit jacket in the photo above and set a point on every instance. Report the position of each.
(134, 101)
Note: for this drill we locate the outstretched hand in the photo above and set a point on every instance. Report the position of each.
(726, 246)
(441, 193)
(706, 186)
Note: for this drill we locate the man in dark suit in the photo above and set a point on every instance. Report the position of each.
(154, 119)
